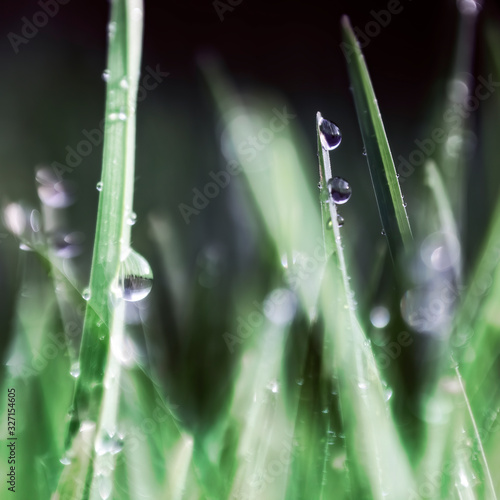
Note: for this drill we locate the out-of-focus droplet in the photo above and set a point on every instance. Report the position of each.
(469, 7)
(109, 443)
(65, 460)
(14, 218)
(105, 486)
(340, 190)
(52, 191)
(274, 386)
(136, 277)
(86, 294)
(440, 251)
(106, 75)
(75, 370)
(280, 306)
(35, 220)
(330, 135)
(67, 245)
(380, 316)
(124, 83)
(25, 248)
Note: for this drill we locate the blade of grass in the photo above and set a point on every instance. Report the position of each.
(390, 201)
(104, 315)
(380, 467)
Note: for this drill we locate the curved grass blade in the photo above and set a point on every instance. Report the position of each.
(383, 173)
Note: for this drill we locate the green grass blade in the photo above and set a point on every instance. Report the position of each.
(382, 170)
(97, 391)
(380, 467)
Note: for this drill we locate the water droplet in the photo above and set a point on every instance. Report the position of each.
(132, 219)
(65, 460)
(136, 277)
(320, 186)
(68, 245)
(99, 186)
(137, 14)
(340, 190)
(35, 220)
(362, 385)
(300, 381)
(340, 220)
(329, 224)
(382, 232)
(469, 7)
(122, 116)
(405, 204)
(364, 151)
(273, 386)
(75, 370)
(112, 29)
(280, 306)
(15, 218)
(105, 75)
(105, 487)
(380, 316)
(440, 251)
(86, 294)
(325, 410)
(330, 134)
(109, 443)
(52, 191)
(25, 248)
(387, 394)
(124, 83)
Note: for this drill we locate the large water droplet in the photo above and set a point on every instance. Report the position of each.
(340, 190)
(330, 134)
(136, 277)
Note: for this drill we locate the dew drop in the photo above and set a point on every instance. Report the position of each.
(340, 220)
(132, 219)
(329, 224)
(15, 218)
(35, 221)
(387, 394)
(330, 134)
(122, 116)
(136, 277)
(52, 191)
(65, 460)
(105, 75)
(109, 443)
(68, 245)
(340, 190)
(105, 487)
(75, 370)
(124, 83)
(25, 248)
(273, 386)
(380, 316)
(382, 232)
(300, 381)
(86, 294)
(99, 186)
(364, 151)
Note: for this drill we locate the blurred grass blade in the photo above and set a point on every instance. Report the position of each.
(444, 212)
(383, 173)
